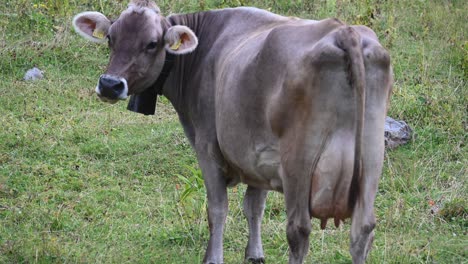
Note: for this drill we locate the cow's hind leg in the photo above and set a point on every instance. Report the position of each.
(254, 205)
(297, 165)
(378, 82)
(362, 232)
(298, 228)
(302, 139)
(363, 218)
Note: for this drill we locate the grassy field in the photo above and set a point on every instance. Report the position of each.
(86, 182)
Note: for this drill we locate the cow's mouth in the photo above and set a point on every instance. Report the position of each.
(107, 100)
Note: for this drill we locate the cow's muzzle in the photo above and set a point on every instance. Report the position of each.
(112, 88)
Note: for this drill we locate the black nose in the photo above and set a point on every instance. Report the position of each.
(111, 87)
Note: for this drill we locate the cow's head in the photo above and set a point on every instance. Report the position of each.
(138, 40)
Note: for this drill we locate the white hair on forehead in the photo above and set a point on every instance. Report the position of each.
(139, 6)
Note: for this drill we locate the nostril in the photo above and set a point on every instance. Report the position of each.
(110, 87)
(115, 84)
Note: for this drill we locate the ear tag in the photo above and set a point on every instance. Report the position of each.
(176, 45)
(97, 33)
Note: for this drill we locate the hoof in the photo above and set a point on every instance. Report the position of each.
(255, 260)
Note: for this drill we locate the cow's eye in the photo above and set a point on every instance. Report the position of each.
(152, 45)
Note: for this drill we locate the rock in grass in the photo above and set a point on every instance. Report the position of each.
(396, 133)
(33, 74)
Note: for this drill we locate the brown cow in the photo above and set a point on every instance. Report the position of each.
(274, 102)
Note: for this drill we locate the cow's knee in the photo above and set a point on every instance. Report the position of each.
(297, 233)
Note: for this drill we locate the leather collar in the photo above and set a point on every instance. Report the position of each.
(166, 70)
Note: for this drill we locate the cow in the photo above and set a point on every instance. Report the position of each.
(277, 103)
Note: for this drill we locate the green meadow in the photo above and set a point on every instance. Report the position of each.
(82, 181)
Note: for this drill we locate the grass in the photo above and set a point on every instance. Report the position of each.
(86, 182)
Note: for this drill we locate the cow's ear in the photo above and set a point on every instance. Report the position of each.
(180, 40)
(92, 26)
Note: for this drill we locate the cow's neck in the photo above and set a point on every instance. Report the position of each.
(179, 87)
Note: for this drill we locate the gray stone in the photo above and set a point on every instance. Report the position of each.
(33, 74)
(396, 133)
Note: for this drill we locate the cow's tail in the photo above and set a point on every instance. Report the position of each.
(350, 41)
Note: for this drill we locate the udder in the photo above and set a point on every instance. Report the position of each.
(331, 180)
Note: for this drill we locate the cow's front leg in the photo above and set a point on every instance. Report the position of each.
(254, 205)
(216, 190)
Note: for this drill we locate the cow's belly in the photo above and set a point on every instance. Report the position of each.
(264, 166)
(255, 163)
